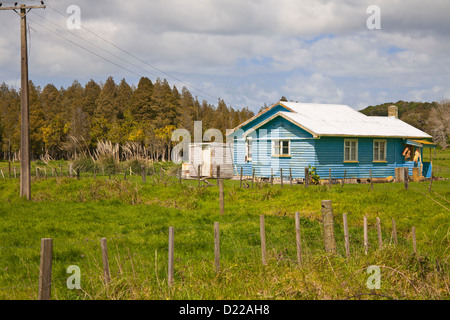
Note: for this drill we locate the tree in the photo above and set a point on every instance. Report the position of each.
(106, 103)
(90, 95)
(141, 100)
(37, 120)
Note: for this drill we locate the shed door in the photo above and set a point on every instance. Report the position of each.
(206, 161)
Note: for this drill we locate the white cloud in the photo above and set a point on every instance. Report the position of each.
(250, 52)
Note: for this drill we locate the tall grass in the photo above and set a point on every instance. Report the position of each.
(135, 216)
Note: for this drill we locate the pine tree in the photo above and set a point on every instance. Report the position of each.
(141, 100)
(106, 103)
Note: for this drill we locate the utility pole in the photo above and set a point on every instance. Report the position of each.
(25, 178)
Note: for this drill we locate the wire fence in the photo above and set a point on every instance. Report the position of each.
(145, 256)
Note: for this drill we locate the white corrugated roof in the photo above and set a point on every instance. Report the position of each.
(342, 120)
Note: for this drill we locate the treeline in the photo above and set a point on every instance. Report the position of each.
(431, 117)
(64, 120)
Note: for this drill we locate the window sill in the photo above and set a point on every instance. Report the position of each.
(379, 161)
(350, 161)
(281, 156)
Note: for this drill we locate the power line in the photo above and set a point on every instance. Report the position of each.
(95, 45)
(137, 58)
(90, 51)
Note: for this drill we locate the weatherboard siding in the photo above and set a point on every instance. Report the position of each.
(330, 155)
(323, 153)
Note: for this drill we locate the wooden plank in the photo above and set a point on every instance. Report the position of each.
(106, 271)
(298, 238)
(366, 236)
(380, 240)
(216, 247)
(346, 236)
(45, 269)
(262, 230)
(414, 243)
(221, 197)
(328, 227)
(394, 232)
(171, 257)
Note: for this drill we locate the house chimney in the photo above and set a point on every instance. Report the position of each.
(393, 111)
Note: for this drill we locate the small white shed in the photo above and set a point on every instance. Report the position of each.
(207, 157)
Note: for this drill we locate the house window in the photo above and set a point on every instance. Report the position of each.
(379, 150)
(351, 150)
(281, 148)
(248, 149)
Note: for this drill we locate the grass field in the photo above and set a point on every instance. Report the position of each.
(135, 217)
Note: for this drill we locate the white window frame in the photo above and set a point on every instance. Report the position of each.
(280, 147)
(350, 159)
(248, 143)
(377, 153)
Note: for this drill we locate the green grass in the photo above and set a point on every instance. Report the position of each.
(135, 217)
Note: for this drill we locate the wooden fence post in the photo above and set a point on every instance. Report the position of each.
(290, 176)
(45, 269)
(328, 227)
(343, 180)
(414, 240)
(106, 271)
(306, 177)
(240, 179)
(216, 247)
(143, 174)
(281, 176)
(262, 230)
(394, 232)
(366, 236)
(198, 175)
(431, 182)
(346, 236)
(271, 176)
(380, 240)
(329, 182)
(221, 197)
(218, 174)
(253, 176)
(406, 179)
(171, 257)
(298, 238)
(371, 182)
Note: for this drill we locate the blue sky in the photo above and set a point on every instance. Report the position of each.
(249, 53)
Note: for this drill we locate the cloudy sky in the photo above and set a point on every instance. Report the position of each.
(247, 52)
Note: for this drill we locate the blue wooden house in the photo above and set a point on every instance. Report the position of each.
(291, 136)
